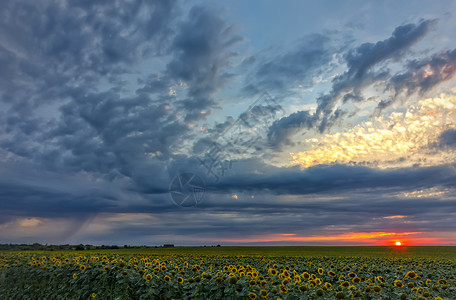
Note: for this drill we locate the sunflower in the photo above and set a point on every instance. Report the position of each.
(377, 289)
(441, 281)
(305, 275)
(263, 293)
(233, 280)
(397, 283)
(345, 284)
(82, 267)
(332, 273)
(411, 274)
(148, 277)
(180, 280)
(320, 271)
(252, 295)
(356, 280)
(328, 285)
(283, 289)
(302, 288)
(94, 295)
(340, 295)
(75, 276)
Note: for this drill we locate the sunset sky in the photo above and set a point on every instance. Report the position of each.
(333, 122)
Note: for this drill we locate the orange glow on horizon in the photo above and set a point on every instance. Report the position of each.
(398, 244)
(377, 237)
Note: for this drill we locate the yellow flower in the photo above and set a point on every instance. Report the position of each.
(331, 273)
(180, 279)
(283, 289)
(319, 292)
(320, 271)
(263, 293)
(94, 295)
(272, 272)
(82, 267)
(410, 274)
(148, 277)
(252, 296)
(302, 288)
(397, 283)
(345, 284)
(441, 281)
(340, 295)
(233, 280)
(75, 276)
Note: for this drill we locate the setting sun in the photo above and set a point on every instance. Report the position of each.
(398, 244)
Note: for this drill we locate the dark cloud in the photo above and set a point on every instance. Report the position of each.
(328, 178)
(48, 48)
(349, 86)
(448, 138)
(201, 50)
(107, 133)
(424, 74)
(296, 67)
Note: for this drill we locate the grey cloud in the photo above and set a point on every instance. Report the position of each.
(288, 70)
(328, 178)
(424, 74)
(201, 50)
(448, 138)
(349, 86)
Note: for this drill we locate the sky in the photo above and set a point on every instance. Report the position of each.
(231, 123)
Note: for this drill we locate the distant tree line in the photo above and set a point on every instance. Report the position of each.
(80, 247)
(37, 246)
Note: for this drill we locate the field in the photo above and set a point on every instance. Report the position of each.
(231, 273)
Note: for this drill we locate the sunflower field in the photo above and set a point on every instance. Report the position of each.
(116, 275)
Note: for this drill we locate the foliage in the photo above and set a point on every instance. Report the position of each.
(120, 274)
